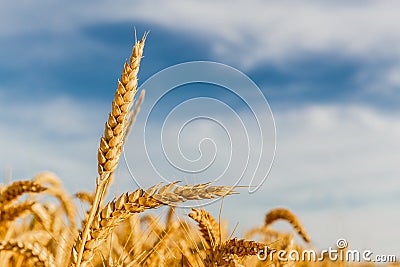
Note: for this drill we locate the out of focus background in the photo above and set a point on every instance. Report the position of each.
(330, 71)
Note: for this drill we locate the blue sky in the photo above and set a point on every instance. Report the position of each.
(330, 72)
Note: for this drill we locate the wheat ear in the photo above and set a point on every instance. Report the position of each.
(10, 213)
(126, 205)
(118, 119)
(287, 215)
(229, 252)
(42, 237)
(17, 189)
(55, 189)
(240, 247)
(208, 227)
(114, 134)
(85, 196)
(38, 254)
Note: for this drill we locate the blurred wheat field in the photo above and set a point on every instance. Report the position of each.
(38, 217)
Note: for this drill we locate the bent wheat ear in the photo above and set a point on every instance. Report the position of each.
(33, 252)
(41, 237)
(55, 189)
(208, 226)
(17, 189)
(287, 215)
(85, 196)
(227, 253)
(241, 247)
(126, 205)
(47, 178)
(12, 212)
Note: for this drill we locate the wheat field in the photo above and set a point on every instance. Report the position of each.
(39, 218)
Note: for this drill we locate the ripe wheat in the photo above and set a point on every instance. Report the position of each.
(40, 228)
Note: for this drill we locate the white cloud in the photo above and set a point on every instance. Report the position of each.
(252, 32)
(383, 81)
(59, 135)
(240, 33)
(258, 31)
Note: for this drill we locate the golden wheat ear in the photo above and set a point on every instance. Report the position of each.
(287, 215)
(12, 212)
(34, 253)
(118, 121)
(85, 196)
(241, 247)
(17, 189)
(113, 138)
(230, 252)
(55, 189)
(118, 210)
(208, 227)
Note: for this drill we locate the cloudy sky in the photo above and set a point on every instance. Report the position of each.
(330, 72)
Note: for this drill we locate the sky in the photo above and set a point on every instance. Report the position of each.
(329, 71)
